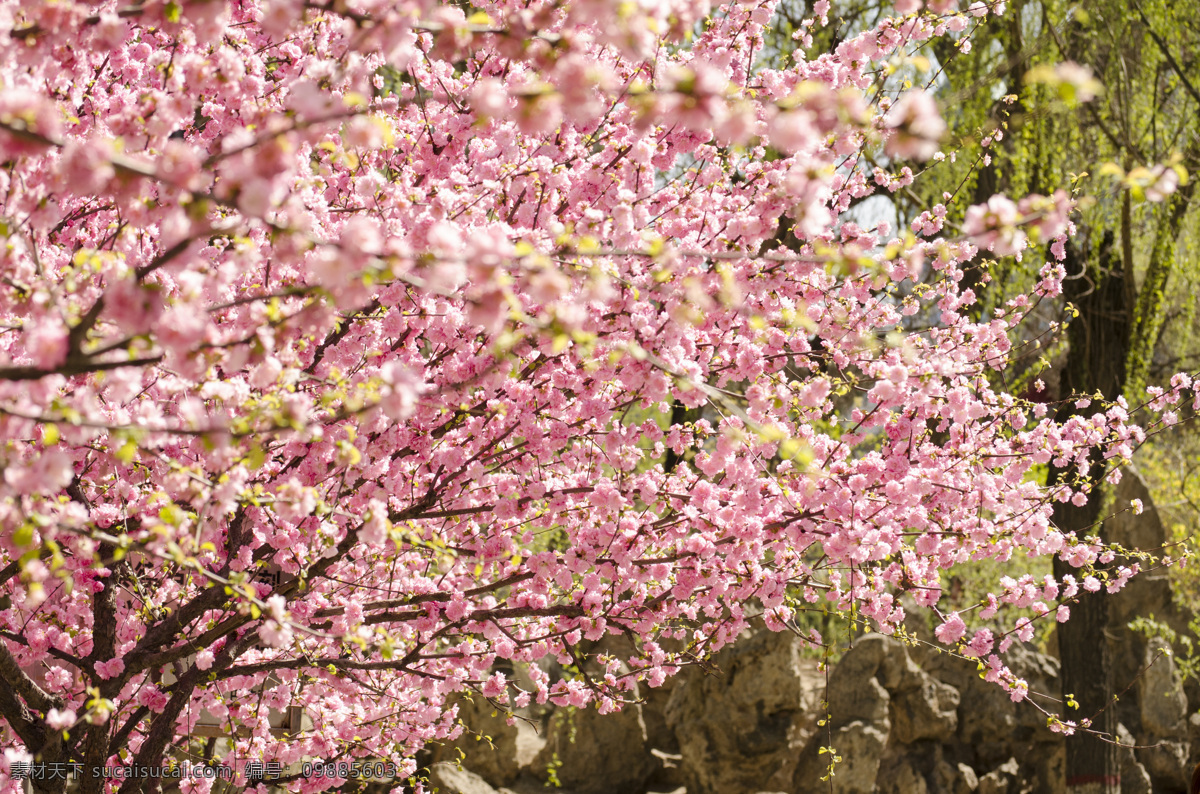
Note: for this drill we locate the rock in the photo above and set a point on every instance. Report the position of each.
(446, 778)
(866, 701)
(1160, 692)
(595, 753)
(1144, 531)
(521, 679)
(859, 745)
(1049, 768)
(1001, 780)
(1147, 594)
(1193, 735)
(902, 778)
(854, 691)
(668, 775)
(1164, 711)
(858, 713)
(927, 711)
(740, 731)
(1041, 672)
(488, 743)
(989, 723)
(968, 777)
(954, 779)
(1134, 778)
(1166, 763)
(654, 713)
(529, 743)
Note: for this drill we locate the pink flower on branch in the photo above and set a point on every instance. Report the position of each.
(389, 350)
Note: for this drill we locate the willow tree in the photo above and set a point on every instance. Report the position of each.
(1101, 99)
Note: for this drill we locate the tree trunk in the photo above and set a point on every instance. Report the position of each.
(1099, 345)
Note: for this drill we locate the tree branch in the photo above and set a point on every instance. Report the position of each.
(23, 685)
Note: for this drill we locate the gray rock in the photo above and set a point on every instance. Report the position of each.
(921, 707)
(954, 779)
(856, 692)
(595, 753)
(989, 723)
(858, 748)
(1166, 763)
(669, 774)
(1193, 735)
(1146, 595)
(1164, 716)
(654, 713)
(740, 731)
(446, 778)
(488, 743)
(1049, 768)
(902, 778)
(1160, 692)
(1134, 778)
(529, 743)
(1001, 780)
(864, 701)
(926, 711)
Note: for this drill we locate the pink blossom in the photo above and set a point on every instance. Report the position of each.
(993, 226)
(916, 127)
(275, 635)
(495, 686)
(980, 645)
(60, 719)
(350, 356)
(951, 630)
(110, 669)
(46, 342)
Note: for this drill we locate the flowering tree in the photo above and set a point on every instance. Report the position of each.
(348, 348)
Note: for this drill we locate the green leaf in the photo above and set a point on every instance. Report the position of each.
(127, 452)
(23, 536)
(256, 457)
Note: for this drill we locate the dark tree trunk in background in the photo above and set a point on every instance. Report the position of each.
(1099, 345)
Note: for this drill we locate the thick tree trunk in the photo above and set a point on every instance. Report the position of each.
(1092, 766)
(1099, 345)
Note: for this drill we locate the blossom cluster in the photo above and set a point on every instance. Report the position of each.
(353, 351)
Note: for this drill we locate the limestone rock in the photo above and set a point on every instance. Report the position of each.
(654, 713)
(1193, 735)
(1160, 693)
(739, 731)
(529, 743)
(1041, 673)
(1166, 763)
(488, 743)
(855, 692)
(1164, 712)
(859, 745)
(1049, 767)
(926, 711)
(1002, 780)
(1148, 593)
(989, 723)
(446, 778)
(595, 753)
(954, 779)
(903, 778)
(1134, 778)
